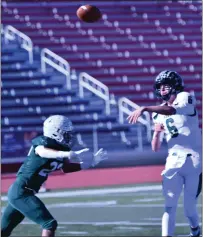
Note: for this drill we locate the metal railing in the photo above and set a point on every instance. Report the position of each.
(96, 87)
(2, 30)
(57, 62)
(126, 106)
(11, 33)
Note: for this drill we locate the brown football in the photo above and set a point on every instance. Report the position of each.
(88, 13)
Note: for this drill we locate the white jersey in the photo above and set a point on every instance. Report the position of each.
(182, 130)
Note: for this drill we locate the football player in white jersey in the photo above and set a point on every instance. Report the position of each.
(177, 119)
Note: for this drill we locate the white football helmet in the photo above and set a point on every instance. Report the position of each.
(59, 128)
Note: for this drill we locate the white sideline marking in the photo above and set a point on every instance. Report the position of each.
(152, 219)
(61, 227)
(141, 193)
(125, 223)
(87, 223)
(86, 192)
(148, 200)
(74, 232)
(83, 204)
(109, 205)
(127, 228)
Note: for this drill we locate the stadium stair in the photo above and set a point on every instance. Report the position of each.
(125, 54)
(29, 97)
(132, 48)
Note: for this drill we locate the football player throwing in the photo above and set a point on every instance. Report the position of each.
(177, 118)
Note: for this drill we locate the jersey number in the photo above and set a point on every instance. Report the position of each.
(189, 99)
(54, 166)
(171, 128)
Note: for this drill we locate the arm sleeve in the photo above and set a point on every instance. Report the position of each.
(184, 104)
(50, 153)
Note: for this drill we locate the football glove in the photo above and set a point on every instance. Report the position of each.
(88, 160)
(78, 156)
(99, 156)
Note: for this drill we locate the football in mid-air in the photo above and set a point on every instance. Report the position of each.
(88, 13)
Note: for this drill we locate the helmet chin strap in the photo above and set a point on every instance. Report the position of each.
(168, 95)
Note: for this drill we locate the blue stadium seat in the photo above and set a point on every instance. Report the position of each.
(125, 53)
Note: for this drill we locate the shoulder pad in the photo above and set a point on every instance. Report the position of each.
(185, 97)
(183, 94)
(38, 141)
(43, 141)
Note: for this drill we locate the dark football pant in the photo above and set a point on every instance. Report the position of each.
(10, 219)
(23, 203)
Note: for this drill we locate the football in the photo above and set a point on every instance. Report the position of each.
(88, 13)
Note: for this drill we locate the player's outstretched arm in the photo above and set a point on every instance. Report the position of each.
(49, 153)
(165, 110)
(74, 156)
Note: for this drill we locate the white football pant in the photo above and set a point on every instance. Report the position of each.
(188, 177)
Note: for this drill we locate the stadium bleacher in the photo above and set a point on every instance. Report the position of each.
(125, 53)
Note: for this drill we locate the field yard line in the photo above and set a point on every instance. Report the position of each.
(87, 223)
(112, 205)
(145, 205)
(74, 232)
(148, 199)
(140, 194)
(109, 204)
(86, 192)
(125, 223)
(83, 204)
(127, 228)
(153, 219)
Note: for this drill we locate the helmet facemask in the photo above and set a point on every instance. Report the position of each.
(174, 82)
(69, 138)
(169, 89)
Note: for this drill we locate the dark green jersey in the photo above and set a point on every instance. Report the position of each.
(35, 169)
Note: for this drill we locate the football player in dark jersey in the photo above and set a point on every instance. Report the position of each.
(48, 153)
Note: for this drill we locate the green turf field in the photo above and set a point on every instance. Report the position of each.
(109, 211)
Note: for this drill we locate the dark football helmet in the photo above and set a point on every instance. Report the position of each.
(170, 78)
